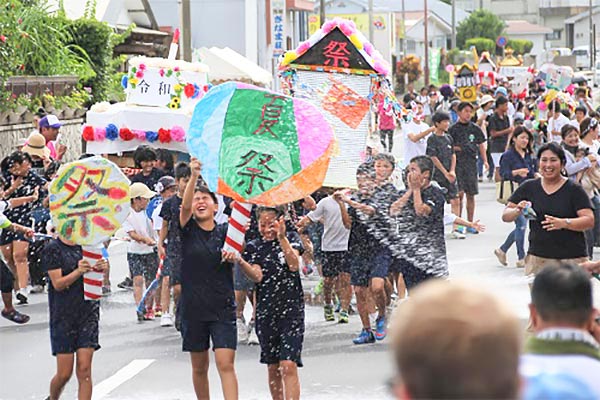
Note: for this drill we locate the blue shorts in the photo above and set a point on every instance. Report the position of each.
(241, 280)
(68, 335)
(280, 340)
(364, 269)
(144, 265)
(197, 335)
(334, 263)
(8, 236)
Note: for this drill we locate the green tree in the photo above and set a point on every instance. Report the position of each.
(481, 23)
(481, 44)
(520, 46)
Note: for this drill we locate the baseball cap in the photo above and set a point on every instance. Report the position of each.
(138, 189)
(50, 121)
(502, 90)
(164, 183)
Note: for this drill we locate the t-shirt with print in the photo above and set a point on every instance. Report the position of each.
(21, 214)
(139, 222)
(440, 146)
(362, 243)
(149, 180)
(564, 203)
(206, 282)
(420, 239)
(169, 211)
(383, 197)
(335, 234)
(497, 123)
(413, 149)
(279, 294)
(67, 305)
(468, 137)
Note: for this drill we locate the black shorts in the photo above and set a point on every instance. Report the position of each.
(413, 276)
(363, 269)
(9, 236)
(197, 335)
(174, 266)
(466, 177)
(68, 335)
(6, 278)
(280, 340)
(450, 189)
(334, 263)
(144, 265)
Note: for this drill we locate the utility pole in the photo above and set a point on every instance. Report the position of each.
(322, 13)
(371, 30)
(453, 40)
(403, 30)
(186, 30)
(591, 20)
(426, 39)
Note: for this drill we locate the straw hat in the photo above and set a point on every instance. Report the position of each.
(36, 146)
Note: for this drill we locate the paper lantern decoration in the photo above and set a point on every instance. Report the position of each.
(556, 77)
(259, 147)
(89, 200)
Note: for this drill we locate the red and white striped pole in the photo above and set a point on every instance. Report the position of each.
(238, 221)
(92, 280)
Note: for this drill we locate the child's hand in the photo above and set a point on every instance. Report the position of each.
(279, 227)
(101, 265)
(149, 241)
(478, 226)
(83, 266)
(196, 167)
(29, 233)
(230, 256)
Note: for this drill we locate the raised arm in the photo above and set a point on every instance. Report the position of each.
(188, 196)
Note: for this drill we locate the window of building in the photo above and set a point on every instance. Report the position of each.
(555, 35)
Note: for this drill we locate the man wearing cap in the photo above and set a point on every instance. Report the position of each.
(49, 126)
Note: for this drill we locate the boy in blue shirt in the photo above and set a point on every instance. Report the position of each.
(273, 261)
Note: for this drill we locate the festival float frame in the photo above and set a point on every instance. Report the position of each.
(338, 70)
(466, 81)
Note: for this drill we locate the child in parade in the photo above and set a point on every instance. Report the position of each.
(207, 299)
(73, 320)
(273, 262)
(141, 255)
(145, 158)
(169, 243)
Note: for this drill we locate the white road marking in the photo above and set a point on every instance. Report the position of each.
(469, 261)
(102, 389)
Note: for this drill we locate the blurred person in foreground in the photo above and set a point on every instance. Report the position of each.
(566, 326)
(455, 341)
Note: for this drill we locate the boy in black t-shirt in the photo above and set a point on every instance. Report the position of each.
(73, 320)
(207, 301)
(145, 158)
(273, 262)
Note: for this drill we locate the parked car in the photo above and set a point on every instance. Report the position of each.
(582, 57)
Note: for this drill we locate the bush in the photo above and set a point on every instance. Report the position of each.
(481, 44)
(481, 23)
(520, 46)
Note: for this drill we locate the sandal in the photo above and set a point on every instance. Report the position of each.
(15, 316)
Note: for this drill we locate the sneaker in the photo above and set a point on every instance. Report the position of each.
(242, 331)
(149, 315)
(21, 297)
(252, 336)
(457, 235)
(158, 312)
(37, 289)
(126, 284)
(328, 313)
(338, 307)
(106, 290)
(472, 231)
(365, 336)
(381, 330)
(520, 264)
(501, 256)
(140, 316)
(343, 317)
(166, 320)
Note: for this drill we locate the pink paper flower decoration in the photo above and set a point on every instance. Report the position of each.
(142, 66)
(346, 28)
(304, 46)
(368, 48)
(177, 134)
(139, 74)
(99, 134)
(161, 72)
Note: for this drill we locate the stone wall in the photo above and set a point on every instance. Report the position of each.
(70, 136)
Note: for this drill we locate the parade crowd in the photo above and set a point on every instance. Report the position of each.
(379, 250)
